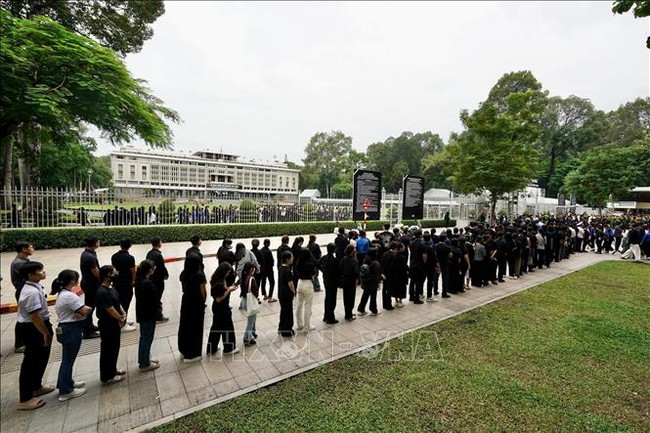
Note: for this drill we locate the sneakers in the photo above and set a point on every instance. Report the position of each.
(20, 349)
(311, 328)
(272, 300)
(432, 300)
(232, 352)
(399, 304)
(128, 328)
(77, 392)
(445, 295)
(116, 379)
(361, 313)
(79, 384)
(94, 334)
(376, 314)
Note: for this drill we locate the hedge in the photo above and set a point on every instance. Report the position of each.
(73, 237)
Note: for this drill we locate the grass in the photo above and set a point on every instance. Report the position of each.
(569, 355)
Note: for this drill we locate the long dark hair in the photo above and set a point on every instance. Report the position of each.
(221, 273)
(143, 270)
(65, 277)
(191, 266)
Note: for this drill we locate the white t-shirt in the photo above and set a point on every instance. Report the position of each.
(32, 298)
(67, 303)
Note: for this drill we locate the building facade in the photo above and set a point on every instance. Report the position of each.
(202, 174)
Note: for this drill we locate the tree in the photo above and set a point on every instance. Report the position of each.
(609, 171)
(324, 155)
(629, 123)
(641, 9)
(494, 152)
(397, 157)
(569, 126)
(51, 80)
(120, 25)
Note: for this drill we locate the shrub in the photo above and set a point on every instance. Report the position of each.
(73, 237)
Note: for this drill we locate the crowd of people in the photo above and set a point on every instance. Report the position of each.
(398, 265)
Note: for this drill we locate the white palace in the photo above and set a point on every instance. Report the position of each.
(203, 173)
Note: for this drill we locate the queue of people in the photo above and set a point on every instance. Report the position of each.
(401, 264)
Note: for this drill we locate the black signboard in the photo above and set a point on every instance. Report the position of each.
(413, 198)
(561, 200)
(366, 195)
(573, 200)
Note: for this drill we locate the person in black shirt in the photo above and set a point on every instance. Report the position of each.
(194, 249)
(146, 313)
(316, 253)
(222, 327)
(111, 318)
(255, 249)
(349, 278)
(226, 255)
(89, 266)
(160, 274)
(329, 266)
(266, 271)
(124, 264)
(286, 293)
(284, 246)
(341, 243)
(443, 252)
(190, 328)
(418, 258)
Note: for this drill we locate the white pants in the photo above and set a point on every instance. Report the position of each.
(305, 296)
(636, 251)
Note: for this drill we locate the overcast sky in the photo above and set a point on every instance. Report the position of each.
(259, 79)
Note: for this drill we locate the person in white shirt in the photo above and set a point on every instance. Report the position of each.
(71, 312)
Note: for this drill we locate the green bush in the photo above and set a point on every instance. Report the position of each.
(166, 212)
(247, 211)
(73, 237)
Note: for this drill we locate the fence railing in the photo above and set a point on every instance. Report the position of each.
(68, 207)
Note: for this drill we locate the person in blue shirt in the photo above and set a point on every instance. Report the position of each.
(363, 245)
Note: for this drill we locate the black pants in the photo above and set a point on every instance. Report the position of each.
(109, 349)
(266, 274)
(34, 360)
(386, 301)
(416, 286)
(502, 267)
(349, 295)
(511, 266)
(541, 258)
(18, 337)
(432, 283)
(160, 289)
(90, 299)
(285, 327)
(330, 300)
(126, 296)
(222, 329)
(369, 293)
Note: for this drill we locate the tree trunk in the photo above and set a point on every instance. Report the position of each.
(551, 172)
(7, 163)
(493, 206)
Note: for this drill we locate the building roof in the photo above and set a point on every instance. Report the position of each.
(310, 193)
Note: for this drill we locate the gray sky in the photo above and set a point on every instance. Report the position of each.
(259, 79)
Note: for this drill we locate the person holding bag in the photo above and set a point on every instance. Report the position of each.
(249, 301)
(222, 327)
(72, 312)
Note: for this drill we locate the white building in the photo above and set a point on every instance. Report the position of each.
(203, 174)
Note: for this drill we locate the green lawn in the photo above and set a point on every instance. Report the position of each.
(569, 355)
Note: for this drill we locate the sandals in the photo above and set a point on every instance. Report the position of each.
(32, 404)
(120, 372)
(45, 389)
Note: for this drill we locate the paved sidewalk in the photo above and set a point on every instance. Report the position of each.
(177, 389)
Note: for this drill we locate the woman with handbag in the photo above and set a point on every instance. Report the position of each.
(249, 302)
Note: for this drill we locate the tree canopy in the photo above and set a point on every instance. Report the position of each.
(640, 8)
(326, 158)
(55, 79)
(121, 25)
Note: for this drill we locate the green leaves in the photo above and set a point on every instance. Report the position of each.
(641, 9)
(56, 79)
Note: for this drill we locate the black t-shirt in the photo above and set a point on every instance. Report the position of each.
(284, 277)
(146, 301)
(281, 249)
(217, 290)
(107, 297)
(267, 258)
(87, 263)
(123, 262)
(442, 253)
(160, 273)
(417, 250)
(191, 286)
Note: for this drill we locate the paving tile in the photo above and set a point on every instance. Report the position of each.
(143, 394)
(201, 395)
(145, 415)
(83, 411)
(194, 377)
(226, 387)
(50, 418)
(175, 404)
(246, 380)
(114, 401)
(118, 424)
(170, 386)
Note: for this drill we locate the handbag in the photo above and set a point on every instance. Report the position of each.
(252, 304)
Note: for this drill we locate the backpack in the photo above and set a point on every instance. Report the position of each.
(364, 274)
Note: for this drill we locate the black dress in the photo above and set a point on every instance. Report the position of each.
(109, 331)
(285, 296)
(398, 275)
(349, 278)
(190, 329)
(222, 326)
